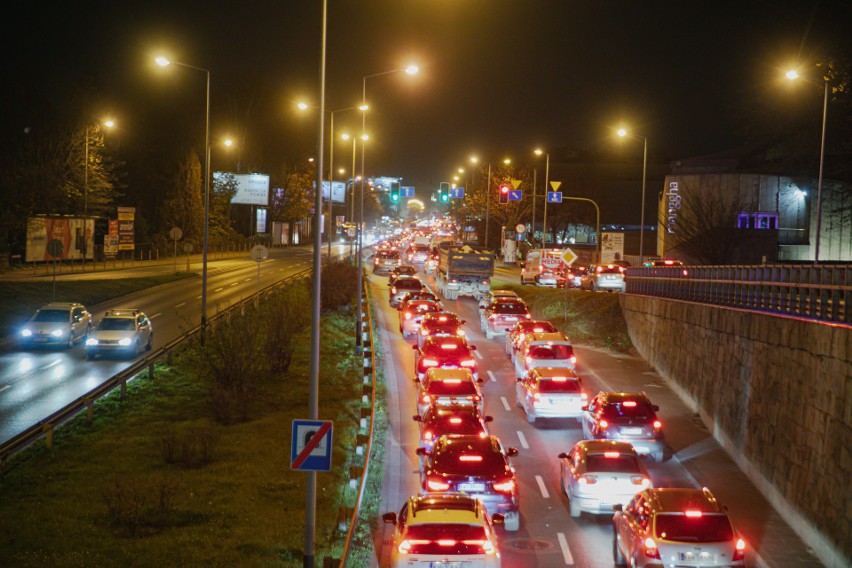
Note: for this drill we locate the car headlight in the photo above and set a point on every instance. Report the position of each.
(91, 341)
(26, 332)
(57, 332)
(125, 341)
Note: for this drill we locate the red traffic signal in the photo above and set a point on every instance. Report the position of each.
(504, 194)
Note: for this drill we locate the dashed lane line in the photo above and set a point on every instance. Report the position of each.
(491, 376)
(505, 403)
(158, 314)
(541, 487)
(478, 355)
(566, 552)
(182, 304)
(234, 283)
(523, 440)
(198, 297)
(219, 289)
(4, 388)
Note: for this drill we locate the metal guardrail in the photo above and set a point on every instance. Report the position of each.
(818, 292)
(86, 402)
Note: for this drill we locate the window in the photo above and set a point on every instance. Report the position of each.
(706, 528)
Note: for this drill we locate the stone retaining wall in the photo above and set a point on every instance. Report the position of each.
(774, 391)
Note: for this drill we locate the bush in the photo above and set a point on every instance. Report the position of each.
(284, 316)
(189, 448)
(339, 281)
(134, 504)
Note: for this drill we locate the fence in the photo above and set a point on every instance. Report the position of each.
(811, 291)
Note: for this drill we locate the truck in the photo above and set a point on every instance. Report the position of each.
(541, 267)
(463, 271)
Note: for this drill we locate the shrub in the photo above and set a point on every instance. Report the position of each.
(284, 316)
(189, 448)
(134, 504)
(339, 280)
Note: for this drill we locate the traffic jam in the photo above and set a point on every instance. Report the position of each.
(603, 445)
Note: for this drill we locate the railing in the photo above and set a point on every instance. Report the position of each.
(86, 402)
(811, 291)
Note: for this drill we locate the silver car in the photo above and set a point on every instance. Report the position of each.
(58, 323)
(609, 278)
(125, 332)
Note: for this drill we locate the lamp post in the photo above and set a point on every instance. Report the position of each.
(544, 216)
(109, 124)
(410, 70)
(162, 62)
(623, 132)
(792, 75)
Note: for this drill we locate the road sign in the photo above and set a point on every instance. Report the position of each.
(457, 193)
(568, 256)
(175, 233)
(406, 191)
(554, 197)
(516, 183)
(310, 448)
(519, 228)
(555, 185)
(259, 253)
(516, 194)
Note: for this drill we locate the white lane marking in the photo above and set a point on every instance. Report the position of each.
(234, 283)
(218, 289)
(478, 355)
(505, 403)
(491, 375)
(247, 280)
(4, 388)
(198, 297)
(182, 304)
(566, 552)
(523, 440)
(156, 315)
(541, 487)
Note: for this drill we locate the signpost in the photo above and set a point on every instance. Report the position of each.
(259, 253)
(554, 197)
(456, 193)
(406, 191)
(516, 194)
(175, 233)
(310, 448)
(55, 248)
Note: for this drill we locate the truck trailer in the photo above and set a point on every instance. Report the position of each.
(463, 271)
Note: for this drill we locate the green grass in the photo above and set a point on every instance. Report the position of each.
(19, 300)
(245, 508)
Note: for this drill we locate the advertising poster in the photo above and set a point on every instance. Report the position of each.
(126, 234)
(612, 247)
(69, 232)
(252, 189)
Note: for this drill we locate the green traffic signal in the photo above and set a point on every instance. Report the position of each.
(444, 197)
(395, 197)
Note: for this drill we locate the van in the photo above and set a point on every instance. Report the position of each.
(542, 267)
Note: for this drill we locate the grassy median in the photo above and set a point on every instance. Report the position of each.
(160, 478)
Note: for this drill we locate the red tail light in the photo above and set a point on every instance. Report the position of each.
(429, 363)
(739, 551)
(407, 315)
(425, 399)
(505, 486)
(424, 331)
(437, 485)
(657, 424)
(587, 479)
(528, 316)
(640, 480)
(487, 547)
(406, 545)
(603, 424)
(468, 363)
(455, 420)
(651, 550)
(573, 360)
(427, 435)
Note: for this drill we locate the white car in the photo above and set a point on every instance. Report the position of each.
(451, 530)
(544, 350)
(551, 392)
(597, 474)
(62, 323)
(125, 332)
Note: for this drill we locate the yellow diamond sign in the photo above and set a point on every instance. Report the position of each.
(568, 256)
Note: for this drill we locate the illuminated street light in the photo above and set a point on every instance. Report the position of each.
(793, 75)
(228, 142)
(623, 132)
(163, 62)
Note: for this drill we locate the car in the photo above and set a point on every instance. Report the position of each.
(440, 324)
(443, 352)
(521, 329)
(476, 466)
(622, 263)
(627, 417)
(412, 314)
(662, 263)
(123, 331)
(572, 276)
(604, 277)
(501, 315)
(493, 295)
(550, 392)
(402, 286)
(451, 420)
(432, 262)
(403, 269)
(422, 294)
(58, 323)
(675, 527)
(544, 350)
(448, 386)
(451, 529)
(385, 260)
(417, 253)
(597, 474)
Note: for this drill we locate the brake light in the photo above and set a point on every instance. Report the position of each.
(442, 318)
(452, 381)
(487, 547)
(668, 262)
(406, 545)
(536, 330)
(393, 289)
(573, 360)
(455, 420)
(739, 551)
(529, 316)
(629, 403)
(429, 363)
(603, 424)
(521, 337)
(470, 458)
(427, 435)
(446, 542)
(408, 315)
(686, 273)
(640, 480)
(424, 331)
(437, 485)
(468, 363)
(587, 479)
(449, 346)
(651, 548)
(657, 424)
(426, 399)
(505, 487)
(460, 333)
(611, 454)
(559, 379)
(693, 514)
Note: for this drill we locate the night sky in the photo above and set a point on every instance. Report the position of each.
(498, 78)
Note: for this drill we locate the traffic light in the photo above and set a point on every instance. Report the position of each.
(444, 195)
(504, 194)
(394, 192)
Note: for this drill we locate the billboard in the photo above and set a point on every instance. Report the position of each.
(612, 247)
(126, 231)
(252, 189)
(71, 233)
(338, 191)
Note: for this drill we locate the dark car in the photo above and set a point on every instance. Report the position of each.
(521, 329)
(439, 324)
(402, 270)
(386, 260)
(476, 466)
(402, 286)
(439, 420)
(444, 352)
(627, 417)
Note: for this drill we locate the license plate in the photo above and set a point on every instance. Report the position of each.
(610, 277)
(510, 318)
(442, 564)
(40, 339)
(631, 431)
(471, 487)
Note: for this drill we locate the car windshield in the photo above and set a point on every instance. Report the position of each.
(571, 386)
(628, 409)
(622, 463)
(556, 351)
(703, 528)
(117, 324)
(454, 539)
(510, 308)
(52, 316)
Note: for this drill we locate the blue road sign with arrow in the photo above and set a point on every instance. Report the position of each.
(516, 194)
(456, 193)
(406, 191)
(554, 197)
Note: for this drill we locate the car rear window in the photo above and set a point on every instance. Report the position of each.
(557, 351)
(620, 410)
(613, 270)
(704, 528)
(463, 460)
(389, 254)
(408, 284)
(445, 539)
(51, 316)
(452, 387)
(510, 308)
(571, 386)
(624, 463)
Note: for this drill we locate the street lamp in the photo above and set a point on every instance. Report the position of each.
(622, 132)
(546, 181)
(163, 62)
(109, 124)
(793, 75)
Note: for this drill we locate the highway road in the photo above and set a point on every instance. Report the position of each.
(548, 535)
(36, 382)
